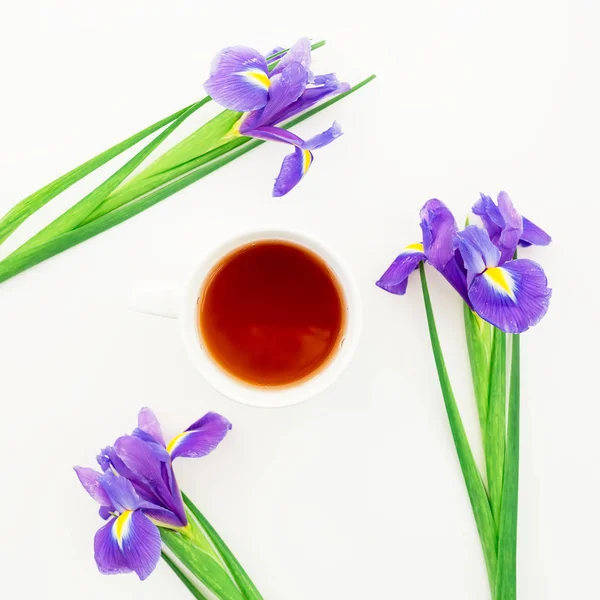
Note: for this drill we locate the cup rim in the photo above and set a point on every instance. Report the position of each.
(265, 397)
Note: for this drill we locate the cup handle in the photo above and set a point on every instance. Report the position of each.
(154, 298)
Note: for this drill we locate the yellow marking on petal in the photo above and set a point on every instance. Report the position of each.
(259, 77)
(176, 441)
(501, 279)
(306, 161)
(415, 247)
(121, 526)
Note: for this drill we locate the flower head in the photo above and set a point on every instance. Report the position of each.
(511, 294)
(269, 92)
(138, 492)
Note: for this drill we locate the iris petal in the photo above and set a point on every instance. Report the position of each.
(293, 169)
(512, 230)
(200, 438)
(328, 85)
(239, 79)
(492, 220)
(141, 458)
(532, 234)
(299, 52)
(286, 87)
(273, 134)
(120, 491)
(395, 279)
(477, 250)
(148, 422)
(439, 232)
(512, 297)
(439, 228)
(324, 138)
(90, 480)
(109, 556)
(160, 516)
(141, 545)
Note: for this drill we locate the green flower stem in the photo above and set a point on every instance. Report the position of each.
(183, 577)
(78, 212)
(239, 575)
(478, 334)
(20, 261)
(24, 209)
(506, 582)
(196, 535)
(475, 488)
(495, 432)
(202, 565)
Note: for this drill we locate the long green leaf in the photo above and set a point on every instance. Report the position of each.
(495, 432)
(24, 209)
(168, 166)
(241, 578)
(182, 576)
(506, 582)
(21, 261)
(475, 488)
(202, 565)
(78, 212)
(478, 343)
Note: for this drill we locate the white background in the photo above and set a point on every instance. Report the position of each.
(358, 493)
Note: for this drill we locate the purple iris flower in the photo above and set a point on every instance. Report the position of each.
(511, 294)
(242, 79)
(138, 493)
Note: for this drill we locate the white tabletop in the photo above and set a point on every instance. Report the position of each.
(357, 493)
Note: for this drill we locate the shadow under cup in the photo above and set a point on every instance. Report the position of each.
(276, 318)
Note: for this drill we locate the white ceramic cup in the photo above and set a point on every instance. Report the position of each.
(181, 303)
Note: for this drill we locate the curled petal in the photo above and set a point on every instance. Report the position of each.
(293, 169)
(532, 234)
(286, 87)
(299, 53)
(492, 220)
(120, 491)
(395, 279)
(477, 250)
(439, 229)
(90, 480)
(512, 230)
(108, 458)
(439, 232)
(512, 297)
(324, 138)
(239, 79)
(201, 438)
(148, 423)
